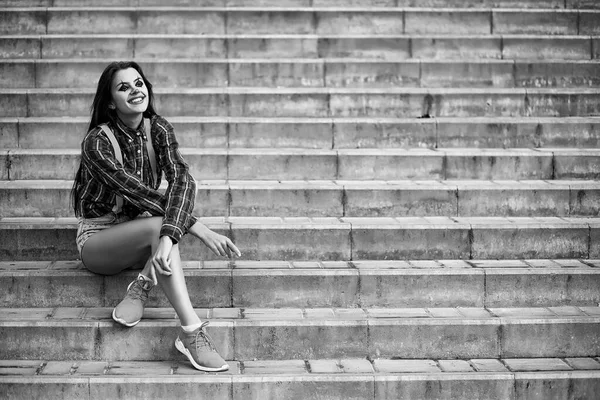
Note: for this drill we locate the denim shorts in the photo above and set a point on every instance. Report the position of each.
(86, 227)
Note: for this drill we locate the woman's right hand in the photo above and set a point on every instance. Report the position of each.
(161, 259)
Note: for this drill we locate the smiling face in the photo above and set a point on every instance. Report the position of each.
(129, 93)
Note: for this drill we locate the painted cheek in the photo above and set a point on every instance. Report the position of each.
(123, 102)
(118, 98)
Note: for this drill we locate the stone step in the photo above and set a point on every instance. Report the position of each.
(188, 73)
(331, 239)
(473, 198)
(315, 333)
(301, 284)
(328, 133)
(334, 379)
(317, 164)
(526, 4)
(322, 102)
(382, 47)
(310, 20)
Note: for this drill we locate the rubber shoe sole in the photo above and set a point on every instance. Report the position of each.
(179, 345)
(123, 322)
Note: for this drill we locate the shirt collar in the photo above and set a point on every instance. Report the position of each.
(124, 128)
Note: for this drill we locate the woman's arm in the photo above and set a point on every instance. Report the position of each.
(181, 191)
(180, 197)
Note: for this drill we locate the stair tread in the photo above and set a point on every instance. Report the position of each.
(318, 90)
(222, 119)
(379, 152)
(334, 238)
(326, 333)
(321, 60)
(408, 267)
(341, 184)
(304, 3)
(345, 378)
(457, 369)
(367, 283)
(64, 316)
(298, 36)
(342, 222)
(334, 8)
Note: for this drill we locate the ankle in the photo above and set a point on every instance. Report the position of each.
(147, 282)
(192, 327)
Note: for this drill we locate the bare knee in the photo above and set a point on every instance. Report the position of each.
(152, 231)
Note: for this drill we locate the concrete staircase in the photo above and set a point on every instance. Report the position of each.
(413, 186)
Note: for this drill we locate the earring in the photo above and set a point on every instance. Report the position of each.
(111, 106)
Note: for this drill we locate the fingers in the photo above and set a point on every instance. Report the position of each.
(166, 264)
(234, 248)
(153, 276)
(224, 247)
(214, 249)
(162, 257)
(161, 266)
(221, 245)
(219, 249)
(163, 263)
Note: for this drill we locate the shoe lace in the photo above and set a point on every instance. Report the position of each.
(202, 340)
(137, 291)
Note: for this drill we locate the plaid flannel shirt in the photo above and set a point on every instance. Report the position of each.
(103, 177)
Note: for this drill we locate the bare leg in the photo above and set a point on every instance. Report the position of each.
(176, 290)
(131, 244)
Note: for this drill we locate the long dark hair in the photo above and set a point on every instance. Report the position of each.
(101, 113)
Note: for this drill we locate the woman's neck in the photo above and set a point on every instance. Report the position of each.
(131, 120)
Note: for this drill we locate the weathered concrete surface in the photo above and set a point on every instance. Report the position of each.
(547, 48)
(301, 387)
(534, 339)
(301, 339)
(535, 23)
(299, 288)
(414, 241)
(413, 338)
(416, 386)
(539, 288)
(420, 288)
(557, 385)
(524, 240)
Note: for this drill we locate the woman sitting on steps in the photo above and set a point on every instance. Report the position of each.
(123, 156)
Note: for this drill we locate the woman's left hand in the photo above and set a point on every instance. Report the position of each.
(161, 260)
(219, 244)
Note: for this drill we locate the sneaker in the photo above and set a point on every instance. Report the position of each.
(130, 310)
(198, 347)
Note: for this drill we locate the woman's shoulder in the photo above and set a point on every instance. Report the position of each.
(162, 123)
(96, 134)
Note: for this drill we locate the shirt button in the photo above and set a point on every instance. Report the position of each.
(130, 140)
(139, 151)
(139, 173)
